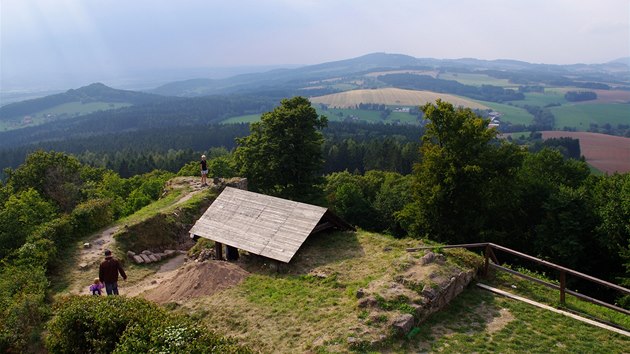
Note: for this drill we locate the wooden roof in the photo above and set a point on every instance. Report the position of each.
(264, 225)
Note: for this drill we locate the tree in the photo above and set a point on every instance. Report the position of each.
(282, 156)
(457, 177)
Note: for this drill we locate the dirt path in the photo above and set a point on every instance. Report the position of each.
(89, 258)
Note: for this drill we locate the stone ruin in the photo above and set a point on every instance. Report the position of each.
(146, 256)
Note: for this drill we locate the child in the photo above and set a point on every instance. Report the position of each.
(96, 287)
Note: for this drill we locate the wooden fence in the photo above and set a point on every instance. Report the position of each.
(563, 271)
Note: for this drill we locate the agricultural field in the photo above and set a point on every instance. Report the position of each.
(603, 96)
(541, 99)
(607, 153)
(392, 97)
(66, 110)
(509, 113)
(476, 79)
(581, 116)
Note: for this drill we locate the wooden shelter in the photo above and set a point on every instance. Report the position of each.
(260, 224)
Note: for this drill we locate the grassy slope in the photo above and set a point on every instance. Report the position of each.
(292, 311)
(580, 116)
(71, 109)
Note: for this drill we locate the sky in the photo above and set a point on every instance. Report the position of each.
(45, 44)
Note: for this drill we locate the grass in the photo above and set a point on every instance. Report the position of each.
(541, 99)
(551, 297)
(482, 322)
(63, 111)
(512, 114)
(475, 79)
(580, 116)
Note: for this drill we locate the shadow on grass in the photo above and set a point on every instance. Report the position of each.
(318, 250)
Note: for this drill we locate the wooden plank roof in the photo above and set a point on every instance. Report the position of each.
(260, 224)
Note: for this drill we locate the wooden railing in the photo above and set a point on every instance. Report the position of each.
(563, 271)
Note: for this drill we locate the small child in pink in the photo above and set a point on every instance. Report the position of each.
(96, 287)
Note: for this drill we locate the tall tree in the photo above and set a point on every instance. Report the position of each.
(282, 156)
(462, 173)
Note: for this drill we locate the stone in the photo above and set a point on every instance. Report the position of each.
(159, 256)
(352, 340)
(169, 253)
(147, 252)
(130, 254)
(87, 245)
(429, 292)
(440, 259)
(145, 258)
(427, 258)
(387, 249)
(153, 258)
(138, 259)
(403, 323)
(360, 293)
(83, 266)
(367, 302)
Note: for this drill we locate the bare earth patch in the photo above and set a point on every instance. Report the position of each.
(607, 153)
(194, 280)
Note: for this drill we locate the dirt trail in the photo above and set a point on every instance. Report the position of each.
(89, 258)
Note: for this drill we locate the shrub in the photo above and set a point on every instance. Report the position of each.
(22, 305)
(93, 324)
(92, 215)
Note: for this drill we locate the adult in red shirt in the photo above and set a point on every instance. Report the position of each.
(108, 273)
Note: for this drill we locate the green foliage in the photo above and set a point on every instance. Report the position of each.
(22, 305)
(91, 215)
(19, 217)
(462, 170)
(91, 324)
(282, 156)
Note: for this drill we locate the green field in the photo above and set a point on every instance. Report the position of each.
(476, 79)
(62, 111)
(338, 115)
(512, 114)
(580, 116)
(541, 99)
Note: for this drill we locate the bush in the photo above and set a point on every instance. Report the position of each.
(22, 305)
(92, 215)
(91, 324)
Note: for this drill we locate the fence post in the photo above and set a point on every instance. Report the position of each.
(487, 261)
(563, 284)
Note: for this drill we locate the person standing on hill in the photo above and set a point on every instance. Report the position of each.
(108, 273)
(204, 170)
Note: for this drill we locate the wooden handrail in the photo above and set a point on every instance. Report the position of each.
(489, 254)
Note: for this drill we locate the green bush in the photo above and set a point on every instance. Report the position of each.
(22, 305)
(91, 324)
(92, 215)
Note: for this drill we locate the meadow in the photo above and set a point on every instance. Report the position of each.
(476, 79)
(581, 116)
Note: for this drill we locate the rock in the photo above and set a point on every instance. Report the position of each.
(360, 293)
(147, 252)
(87, 245)
(83, 266)
(145, 258)
(427, 258)
(440, 259)
(387, 249)
(352, 340)
(130, 254)
(367, 302)
(169, 253)
(159, 256)
(153, 258)
(429, 292)
(403, 323)
(138, 259)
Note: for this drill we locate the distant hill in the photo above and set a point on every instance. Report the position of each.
(92, 97)
(284, 82)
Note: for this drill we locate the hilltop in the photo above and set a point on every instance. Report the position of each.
(342, 292)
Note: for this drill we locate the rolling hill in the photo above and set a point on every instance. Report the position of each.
(72, 103)
(391, 96)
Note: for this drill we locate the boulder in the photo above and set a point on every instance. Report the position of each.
(367, 302)
(130, 254)
(138, 259)
(146, 252)
(153, 258)
(145, 258)
(169, 253)
(427, 258)
(403, 323)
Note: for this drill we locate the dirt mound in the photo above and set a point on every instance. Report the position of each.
(197, 279)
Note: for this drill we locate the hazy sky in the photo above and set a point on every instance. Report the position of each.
(99, 39)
